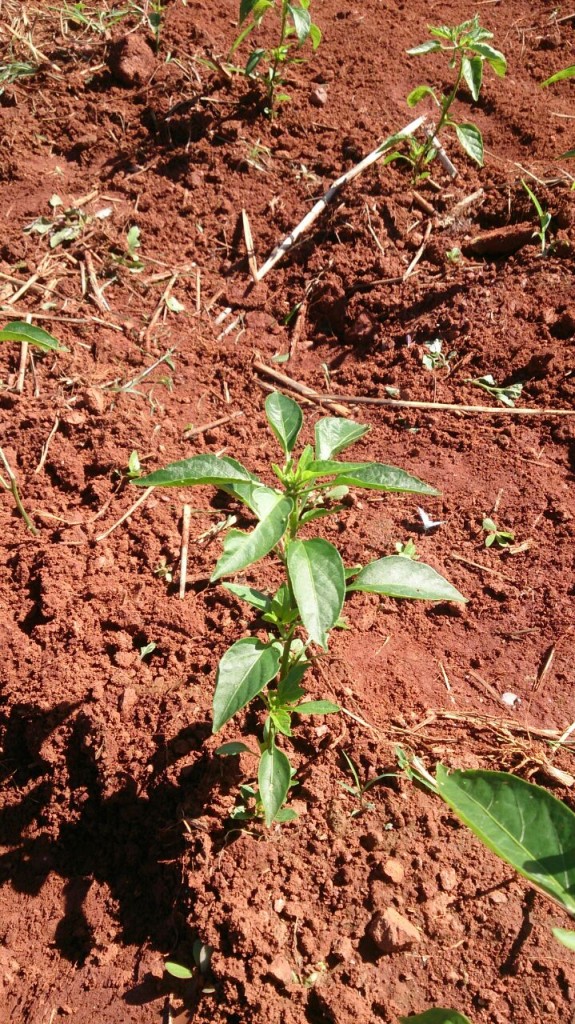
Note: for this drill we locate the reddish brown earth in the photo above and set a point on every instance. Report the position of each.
(117, 848)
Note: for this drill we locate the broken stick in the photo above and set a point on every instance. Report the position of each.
(281, 249)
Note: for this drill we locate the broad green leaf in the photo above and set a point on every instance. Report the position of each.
(522, 823)
(178, 970)
(568, 155)
(373, 476)
(333, 434)
(17, 331)
(565, 937)
(243, 549)
(244, 670)
(471, 140)
(285, 418)
(282, 721)
(315, 36)
(289, 690)
(319, 513)
(560, 76)
(396, 576)
(200, 469)
(254, 597)
(232, 748)
(274, 777)
(286, 814)
(246, 8)
(416, 95)
(444, 31)
(428, 47)
(436, 1015)
(252, 494)
(301, 22)
(493, 57)
(317, 707)
(472, 69)
(317, 578)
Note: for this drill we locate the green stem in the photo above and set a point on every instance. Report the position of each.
(13, 487)
(276, 61)
(443, 118)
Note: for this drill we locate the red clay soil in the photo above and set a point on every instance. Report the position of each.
(117, 847)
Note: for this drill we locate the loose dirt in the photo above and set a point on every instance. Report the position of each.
(117, 847)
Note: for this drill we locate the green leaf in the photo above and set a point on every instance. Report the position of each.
(246, 8)
(437, 1015)
(274, 777)
(178, 970)
(471, 140)
(315, 36)
(286, 814)
(289, 690)
(333, 434)
(252, 494)
(301, 22)
(317, 578)
(522, 823)
(285, 418)
(232, 748)
(244, 670)
(560, 76)
(253, 597)
(402, 577)
(317, 707)
(493, 57)
(373, 476)
(17, 331)
(416, 95)
(565, 937)
(282, 721)
(243, 549)
(472, 69)
(200, 469)
(428, 47)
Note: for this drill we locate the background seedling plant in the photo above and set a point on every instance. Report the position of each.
(359, 789)
(502, 538)
(308, 604)
(467, 51)
(561, 76)
(294, 29)
(544, 218)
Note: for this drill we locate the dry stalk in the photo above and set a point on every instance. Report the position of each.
(143, 497)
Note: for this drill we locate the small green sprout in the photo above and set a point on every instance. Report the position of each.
(453, 255)
(164, 571)
(268, 66)
(10, 72)
(503, 538)
(467, 51)
(434, 358)
(359, 789)
(301, 613)
(147, 649)
(508, 395)
(407, 549)
(544, 218)
(561, 76)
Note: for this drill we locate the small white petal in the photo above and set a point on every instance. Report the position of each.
(511, 699)
(427, 522)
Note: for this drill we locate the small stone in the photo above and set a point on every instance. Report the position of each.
(343, 949)
(280, 970)
(447, 879)
(127, 702)
(498, 896)
(131, 60)
(392, 932)
(95, 401)
(279, 906)
(318, 97)
(393, 871)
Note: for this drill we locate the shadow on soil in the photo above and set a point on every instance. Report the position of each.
(131, 841)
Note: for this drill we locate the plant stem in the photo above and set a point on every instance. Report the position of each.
(13, 487)
(277, 58)
(443, 118)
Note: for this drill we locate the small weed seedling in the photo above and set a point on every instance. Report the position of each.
(435, 358)
(503, 538)
(36, 336)
(544, 218)
(308, 603)
(10, 72)
(294, 29)
(63, 226)
(506, 395)
(561, 76)
(467, 51)
(359, 789)
(407, 549)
